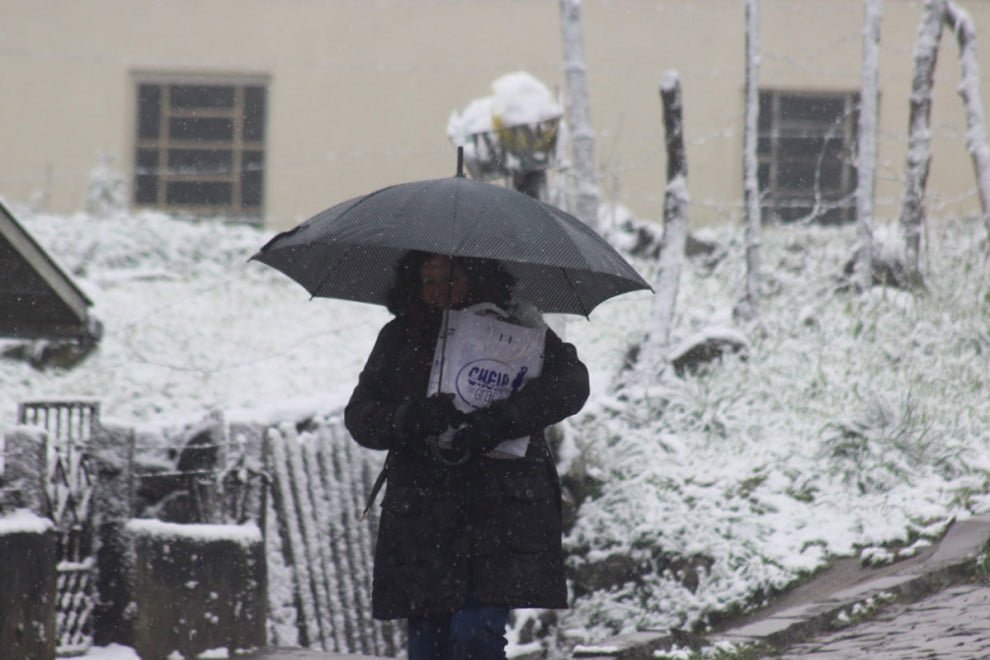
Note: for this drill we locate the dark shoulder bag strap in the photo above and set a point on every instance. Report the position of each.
(379, 482)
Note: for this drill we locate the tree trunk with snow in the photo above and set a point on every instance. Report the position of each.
(748, 306)
(919, 135)
(867, 165)
(578, 111)
(969, 89)
(675, 224)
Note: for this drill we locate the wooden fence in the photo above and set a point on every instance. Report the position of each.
(320, 479)
(304, 483)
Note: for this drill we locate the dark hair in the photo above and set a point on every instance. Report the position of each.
(488, 281)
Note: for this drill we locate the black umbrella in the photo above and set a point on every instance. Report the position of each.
(350, 250)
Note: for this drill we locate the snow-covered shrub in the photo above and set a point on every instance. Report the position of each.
(106, 192)
(887, 445)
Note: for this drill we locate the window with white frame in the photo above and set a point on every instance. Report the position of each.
(200, 145)
(806, 156)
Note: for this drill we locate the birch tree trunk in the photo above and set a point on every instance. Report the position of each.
(969, 89)
(748, 306)
(579, 113)
(919, 135)
(675, 225)
(867, 166)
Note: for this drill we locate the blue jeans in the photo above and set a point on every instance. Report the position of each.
(474, 632)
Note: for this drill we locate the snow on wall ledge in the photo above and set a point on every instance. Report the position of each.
(245, 534)
(22, 521)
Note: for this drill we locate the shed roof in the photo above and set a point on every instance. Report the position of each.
(38, 300)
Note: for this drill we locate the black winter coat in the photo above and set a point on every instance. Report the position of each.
(490, 527)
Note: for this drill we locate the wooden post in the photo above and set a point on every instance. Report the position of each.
(867, 166)
(197, 588)
(27, 585)
(919, 153)
(579, 113)
(748, 307)
(112, 452)
(675, 223)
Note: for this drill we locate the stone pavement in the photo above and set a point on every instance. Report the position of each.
(933, 605)
(954, 623)
(929, 606)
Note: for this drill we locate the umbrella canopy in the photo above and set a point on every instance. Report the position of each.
(350, 250)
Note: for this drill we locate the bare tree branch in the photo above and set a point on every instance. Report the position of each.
(675, 224)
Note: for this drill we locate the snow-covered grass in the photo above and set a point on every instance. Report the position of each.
(857, 421)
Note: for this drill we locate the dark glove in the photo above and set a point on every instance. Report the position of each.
(481, 432)
(431, 416)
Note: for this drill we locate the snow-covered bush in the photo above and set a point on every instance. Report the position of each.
(106, 192)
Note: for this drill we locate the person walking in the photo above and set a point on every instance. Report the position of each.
(464, 535)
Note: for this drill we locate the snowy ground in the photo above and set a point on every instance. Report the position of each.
(857, 421)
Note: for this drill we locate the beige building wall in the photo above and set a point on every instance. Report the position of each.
(805, 45)
(360, 91)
